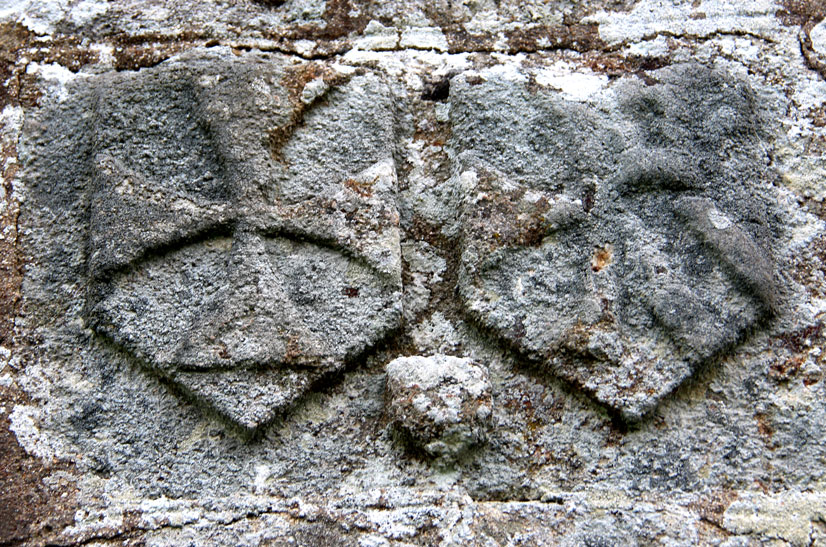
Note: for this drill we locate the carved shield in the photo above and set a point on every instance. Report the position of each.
(619, 250)
(243, 237)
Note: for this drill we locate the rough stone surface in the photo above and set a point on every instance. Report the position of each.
(221, 222)
(441, 405)
(625, 261)
(240, 268)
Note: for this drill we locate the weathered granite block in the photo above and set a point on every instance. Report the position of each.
(570, 254)
(619, 249)
(243, 238)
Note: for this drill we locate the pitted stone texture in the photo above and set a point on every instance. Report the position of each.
(241, 242)
(621, 247)
(441, 404)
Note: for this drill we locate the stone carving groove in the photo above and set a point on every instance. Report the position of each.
(618, 255)
(244, 239)
(241, 276)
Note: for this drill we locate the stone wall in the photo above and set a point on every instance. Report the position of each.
(412, 273)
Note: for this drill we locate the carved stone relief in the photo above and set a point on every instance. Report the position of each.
(337, 272)
(240, 268)
(620, 250)
(244, 235)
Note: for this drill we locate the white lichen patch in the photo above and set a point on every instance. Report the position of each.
(39, 16)
(792, 517)
(55, 76)
(25, 426)
(818, 37)
(86, 11)
(377, 37)
(651, 17)
(573, 83)
(424, 38)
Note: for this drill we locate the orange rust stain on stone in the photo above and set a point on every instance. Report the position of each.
(602, 257)
(765, 428)
(19, 47)
(362, 188)
(710, 509)
(294, 81)
(805, 13)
